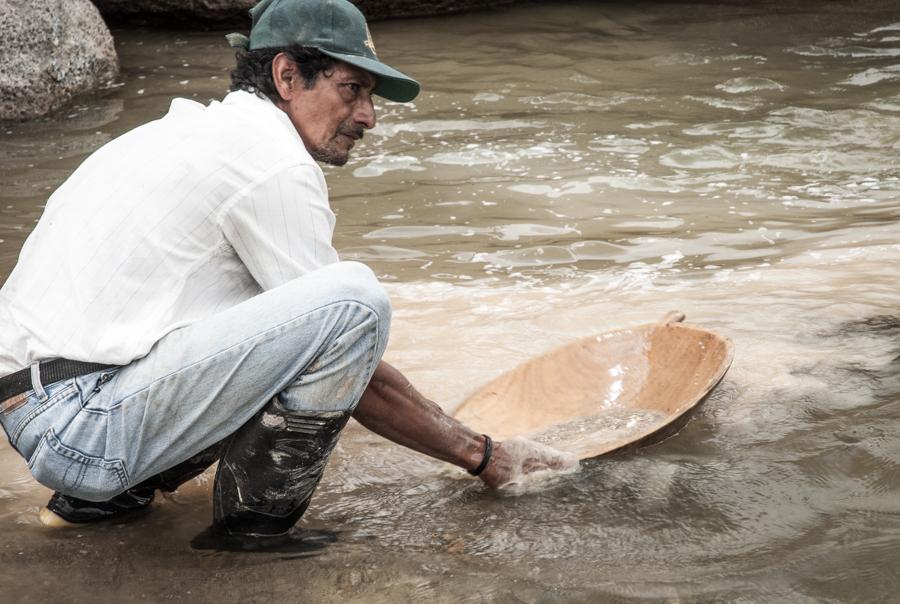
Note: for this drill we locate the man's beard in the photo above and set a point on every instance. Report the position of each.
(332, 157)
(330, 154)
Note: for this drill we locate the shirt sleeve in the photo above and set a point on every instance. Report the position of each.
(281, 227)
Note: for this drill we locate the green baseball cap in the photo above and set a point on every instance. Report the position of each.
(335, 27)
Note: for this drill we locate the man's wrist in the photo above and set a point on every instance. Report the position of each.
(486, 456)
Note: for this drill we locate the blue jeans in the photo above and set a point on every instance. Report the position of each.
(312, 343)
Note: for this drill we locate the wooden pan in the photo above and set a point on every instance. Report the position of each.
(599, 394)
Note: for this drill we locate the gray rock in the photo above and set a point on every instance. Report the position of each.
(185, 12)
(52, 50)
(234, 12)
(391, 9)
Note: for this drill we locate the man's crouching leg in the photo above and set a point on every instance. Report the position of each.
(311, 345)
(64, 510)
(272, 465)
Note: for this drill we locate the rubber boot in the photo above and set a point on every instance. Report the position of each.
(267, 476)
(169, 480)
(63, 509)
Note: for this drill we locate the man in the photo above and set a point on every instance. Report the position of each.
(180, 300)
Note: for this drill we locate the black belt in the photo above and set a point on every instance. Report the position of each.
(51, 371)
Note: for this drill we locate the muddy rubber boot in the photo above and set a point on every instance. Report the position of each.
(169, 480)
(266, 478)
(65, 510)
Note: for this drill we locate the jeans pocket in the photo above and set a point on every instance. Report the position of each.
(27, 424)
(70, 471)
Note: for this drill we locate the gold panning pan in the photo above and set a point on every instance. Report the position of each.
(599, 394)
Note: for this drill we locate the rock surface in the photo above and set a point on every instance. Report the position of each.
(177, 12)
(390, 9)
(234, 12)
(52, 50)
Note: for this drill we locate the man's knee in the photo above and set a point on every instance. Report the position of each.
(356, 281)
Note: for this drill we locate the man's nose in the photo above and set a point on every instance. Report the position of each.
(365, 113)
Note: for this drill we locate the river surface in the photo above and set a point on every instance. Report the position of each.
(570, 169)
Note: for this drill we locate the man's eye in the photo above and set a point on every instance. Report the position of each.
(354, 88)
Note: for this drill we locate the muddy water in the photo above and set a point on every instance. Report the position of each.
(570, 169)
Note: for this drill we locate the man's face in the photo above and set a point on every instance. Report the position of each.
(332, 115)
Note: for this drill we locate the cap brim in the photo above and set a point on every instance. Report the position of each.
(392, 84)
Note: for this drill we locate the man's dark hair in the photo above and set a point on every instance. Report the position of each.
(253, 71)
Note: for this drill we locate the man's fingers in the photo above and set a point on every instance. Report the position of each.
(518, 457)
(554, 462)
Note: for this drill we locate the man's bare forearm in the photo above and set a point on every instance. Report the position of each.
(392, 408)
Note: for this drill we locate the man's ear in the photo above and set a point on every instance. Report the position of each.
(285, 75)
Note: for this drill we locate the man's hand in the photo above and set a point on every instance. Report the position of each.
(516, 458)
(392, 408)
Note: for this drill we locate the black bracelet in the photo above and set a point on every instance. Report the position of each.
(488, 450)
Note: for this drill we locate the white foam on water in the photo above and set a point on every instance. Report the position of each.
(583, 79)
(573, 187)
(742, 85)
(472, 157)
(685, 58)
(386, 253)
(418, 232)
(891, 27)
(514, 232)
(595, 250)
(662, 222)
(739, 130)
(702, 158)
(631, 182)
(893, 106)
(613, 144)
(388, 163)
(855, 52)
(532, 256)
(719, 103)
(651, 125)
(829, 161)
(738, 57)
(873, 76)
(581, 101)
(505, 232)
(388, 129)
(478, 154)
(670, 260)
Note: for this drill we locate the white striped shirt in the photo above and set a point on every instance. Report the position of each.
(167, 224)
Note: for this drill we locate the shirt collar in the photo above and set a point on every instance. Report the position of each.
(249, 100)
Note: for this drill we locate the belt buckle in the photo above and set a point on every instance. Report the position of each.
(13, 403)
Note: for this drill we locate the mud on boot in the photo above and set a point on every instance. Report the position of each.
(267, 476)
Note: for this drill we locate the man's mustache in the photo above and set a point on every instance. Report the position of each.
(356, 133)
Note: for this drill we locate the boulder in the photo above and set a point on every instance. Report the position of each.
(391, 9)
(177, 12)
(52, 50)
(234, 12)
